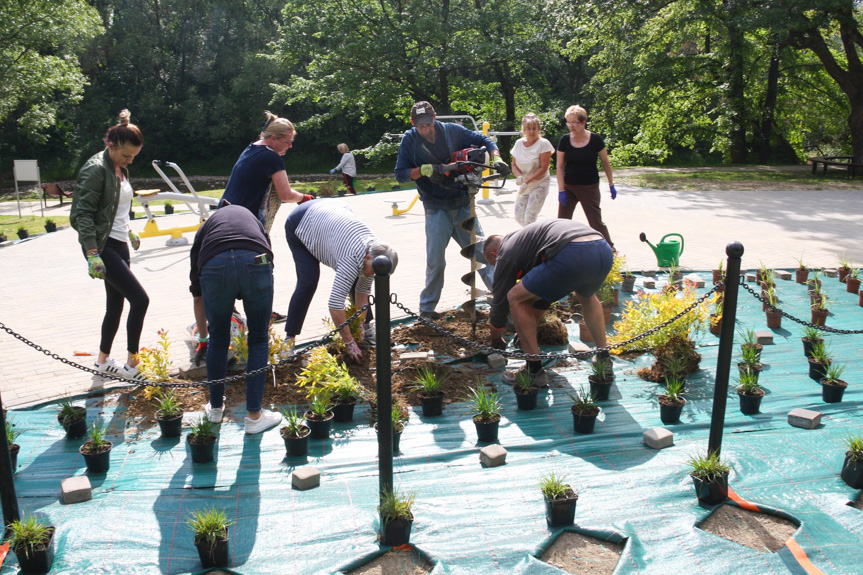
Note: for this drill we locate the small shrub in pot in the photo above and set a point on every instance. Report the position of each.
(396, 517)
(852, 468)
(169, 413)
(210, 527)
(710, 477)
(560, 499)
(295, 433)
(32, 540)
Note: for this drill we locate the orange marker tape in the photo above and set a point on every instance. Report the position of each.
(801, 557)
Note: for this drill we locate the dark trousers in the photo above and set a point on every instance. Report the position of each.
(120, 285)
(350, 182)
(308, 273)
(588, 195)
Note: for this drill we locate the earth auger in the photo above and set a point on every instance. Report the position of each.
(467, 168)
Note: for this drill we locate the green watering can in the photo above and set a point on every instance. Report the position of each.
(668, 252)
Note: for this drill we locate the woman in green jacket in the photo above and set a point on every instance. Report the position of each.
(100, 214)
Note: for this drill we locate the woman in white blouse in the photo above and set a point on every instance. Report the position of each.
(531, 156)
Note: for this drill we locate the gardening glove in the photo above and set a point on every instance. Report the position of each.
(498, 343)
(333, 171)
(502, 168)
(306, 198)
(434, 172)
(613, 191)
(561, 197)
(135, 240)
(519, 181)
(201, 351)
(354, 351)
(96, 267)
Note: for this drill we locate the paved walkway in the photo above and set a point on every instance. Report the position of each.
(49, 298)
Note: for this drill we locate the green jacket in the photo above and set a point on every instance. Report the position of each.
(94, 205)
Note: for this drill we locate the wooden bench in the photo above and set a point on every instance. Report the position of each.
(55, 191)
(846, 162)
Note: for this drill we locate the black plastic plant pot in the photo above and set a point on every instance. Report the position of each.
(808, 345)
(817, 371)
(214, 555)
(599, 389)
(831, 393)
(486, 431)
(396, 532)
(526, 401)
(169, 209)
(397, 436)
(711, 493)
(23, 234)
(432, 406)
(37, 560)
(170, 427)
(344, 412)
(756, 370)
(297, 446)
(560, 512)
(13, 455)
(202, 452)
(627, 284)
(852, 472)
(50, 228)
(749, 404)
(320, 427)
(584, 422)
(75, 426)
(670, 413)
(98, 462)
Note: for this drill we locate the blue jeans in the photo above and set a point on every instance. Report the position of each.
(441, 225)
(228, 276)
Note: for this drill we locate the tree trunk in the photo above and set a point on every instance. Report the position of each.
(768, 108)
(735, 94)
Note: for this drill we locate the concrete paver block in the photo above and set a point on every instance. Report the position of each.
(305, 478)
(783, 275)
(804, 418)
(658, 438)
(496, 361)
(750, 277)
(577, 347)
(831, 272)
(192, 371)
(695, 279)
(492, 455)
(416, 355)
(764, 337)
(649, 284)
(649, 273)
(76, 489)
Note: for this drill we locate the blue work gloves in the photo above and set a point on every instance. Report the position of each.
(613, 191)
(434, 172)
(501, 167)
(135, 240)
(333, 171)
(96, 267)
(561, 197)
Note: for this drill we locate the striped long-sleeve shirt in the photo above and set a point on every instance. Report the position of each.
(338, 239)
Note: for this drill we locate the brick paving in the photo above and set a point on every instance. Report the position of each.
(48, 297)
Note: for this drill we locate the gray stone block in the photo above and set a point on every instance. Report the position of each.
(695, 279)
(649, 273)
(76, 489)
(783, 275)
(414, 355)
(764, 337)
(804, 418)
(192, 371)
(578, 347)
(658, 438)
(496, 361)
(649, 284)
(750, 277)
(492, 455)
(305, 478)
(831, 272)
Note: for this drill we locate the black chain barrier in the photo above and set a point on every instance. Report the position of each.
(306, 348)
(540, 356)
(804, 323)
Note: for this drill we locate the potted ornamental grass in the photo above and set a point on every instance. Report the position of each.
(820, 309)
(852, 282)
(210, 527)
(710, 478)
(484, 406)
(169, 208)
(852, 468)
(202, 440)
(750, 393)
(751, 363)
(801, 273)
(13, 433)
(584, 411)
(526, 392)
(397, 518)
(97, 450)
(832, 384)
(627, 282)
(560, 499)
(819, 361)
(319, 416)
(673, 367)
(73, 418)
(295, 433)
(50, 225)
(600, 378)
(811, 336)
(345, 392)
(23, 234)
(32, 541)
(169, 413)
(671, 402)
(844, 268)
(750, 341)
(773, 313)
(429, 386)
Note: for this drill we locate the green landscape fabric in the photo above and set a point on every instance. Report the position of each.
(471, 519)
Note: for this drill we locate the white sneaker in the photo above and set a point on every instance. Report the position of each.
(214, 414)
(267, 420)
(289, 351)
(110, 366)
(130, 372)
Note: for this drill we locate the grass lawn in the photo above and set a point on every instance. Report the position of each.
(754, 178)
(9, 225)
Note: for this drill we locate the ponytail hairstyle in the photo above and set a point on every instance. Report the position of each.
(277, 127)
(124, 132)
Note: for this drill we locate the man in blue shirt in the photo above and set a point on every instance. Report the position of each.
(446, 202)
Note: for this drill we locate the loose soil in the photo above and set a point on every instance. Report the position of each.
(577, 553)
(399, 561)
(760, 531)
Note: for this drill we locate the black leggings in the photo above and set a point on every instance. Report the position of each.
(121, 284)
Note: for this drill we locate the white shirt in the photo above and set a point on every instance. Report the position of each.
(120, 229)
(527, 157)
